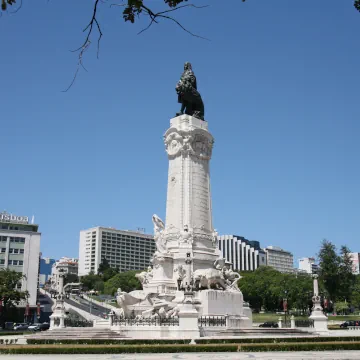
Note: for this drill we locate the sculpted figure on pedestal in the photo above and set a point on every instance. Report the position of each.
(188, 96)
(145, 276)
(159, 227)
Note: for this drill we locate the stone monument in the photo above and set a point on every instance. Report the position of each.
(188, 278)
(57, 318)
(317, 314)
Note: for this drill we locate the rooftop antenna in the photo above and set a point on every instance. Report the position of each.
(33, 219)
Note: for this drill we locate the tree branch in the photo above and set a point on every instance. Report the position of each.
(160, 14)
(87, 43)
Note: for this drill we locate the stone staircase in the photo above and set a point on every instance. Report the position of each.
(77, 333)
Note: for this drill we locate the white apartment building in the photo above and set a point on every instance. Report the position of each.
(279, 259)
(20, 251)
(66, 266)
(308, 265)
(355, 257)
(244, 255)
(123, 249)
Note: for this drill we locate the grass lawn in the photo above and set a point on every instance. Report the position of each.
(259, 318)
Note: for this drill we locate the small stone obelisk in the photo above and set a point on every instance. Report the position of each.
(317, 314)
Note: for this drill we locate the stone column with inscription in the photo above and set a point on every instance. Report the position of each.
(188, 225)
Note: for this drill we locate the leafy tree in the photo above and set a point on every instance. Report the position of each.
(329, 265)
(266, 288)
(104, 265)
(347, 278)
(355, 293)
(89, 281)
(106, 271)
(126, 281)
(71, 278)
(341, 307)
(9, 294)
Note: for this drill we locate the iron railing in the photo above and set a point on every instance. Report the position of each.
(146, 321)
(78, 323)
(212, 321)
(304, 323)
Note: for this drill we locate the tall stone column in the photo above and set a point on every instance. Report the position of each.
(188, 225)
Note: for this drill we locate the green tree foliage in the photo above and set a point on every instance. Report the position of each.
(71, 278)
(341, 307)
(347, 278)
(266, 288)
(88, 281)
(106, 271)
(8, 293)
(329, 264)
(336, 271)
(126, 281)
(355, 293)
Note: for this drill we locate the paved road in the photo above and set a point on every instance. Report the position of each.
(302, 355)
(85, 305)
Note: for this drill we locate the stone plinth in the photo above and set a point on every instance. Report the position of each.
(220, 303)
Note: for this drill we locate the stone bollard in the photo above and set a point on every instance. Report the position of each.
(292, 320)
(280, 323)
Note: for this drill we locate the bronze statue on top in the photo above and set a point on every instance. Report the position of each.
(188, 96)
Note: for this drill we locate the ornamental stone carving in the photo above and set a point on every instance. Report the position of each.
(194, 142)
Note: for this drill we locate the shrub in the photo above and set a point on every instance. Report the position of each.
(108, 341)
(279, 340)
(117, 349)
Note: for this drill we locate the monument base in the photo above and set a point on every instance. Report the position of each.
(217, 303)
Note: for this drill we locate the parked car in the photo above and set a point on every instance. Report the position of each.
(22, 326)
(33, 327)
(269, 324)
(350, 323)
(44, 326)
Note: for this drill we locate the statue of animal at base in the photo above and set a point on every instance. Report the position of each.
(209, 277)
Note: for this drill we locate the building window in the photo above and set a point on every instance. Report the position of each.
(16, 251)
(2, 261)
(21, 251)
(3, 250)
(10, 262)
(21, 262)
(11, 251)
(15, 262)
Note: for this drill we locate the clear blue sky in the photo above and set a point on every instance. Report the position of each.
(280, 81)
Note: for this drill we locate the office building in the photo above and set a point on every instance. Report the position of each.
(355, 257)
(279, 259)
(123, 249)
(20, 250)
(308, 265)
(45, 270)
(64, 266)
(245, 255)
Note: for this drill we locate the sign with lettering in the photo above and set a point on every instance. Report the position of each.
(14, 218)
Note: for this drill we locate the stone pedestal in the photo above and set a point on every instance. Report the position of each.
(320, 320)
(57, 319)
(217, 303)
(188, 319)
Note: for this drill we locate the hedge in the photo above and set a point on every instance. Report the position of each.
(109, 341)
(280, 340)
(198, 341)
(127, 349)
(113, 349)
